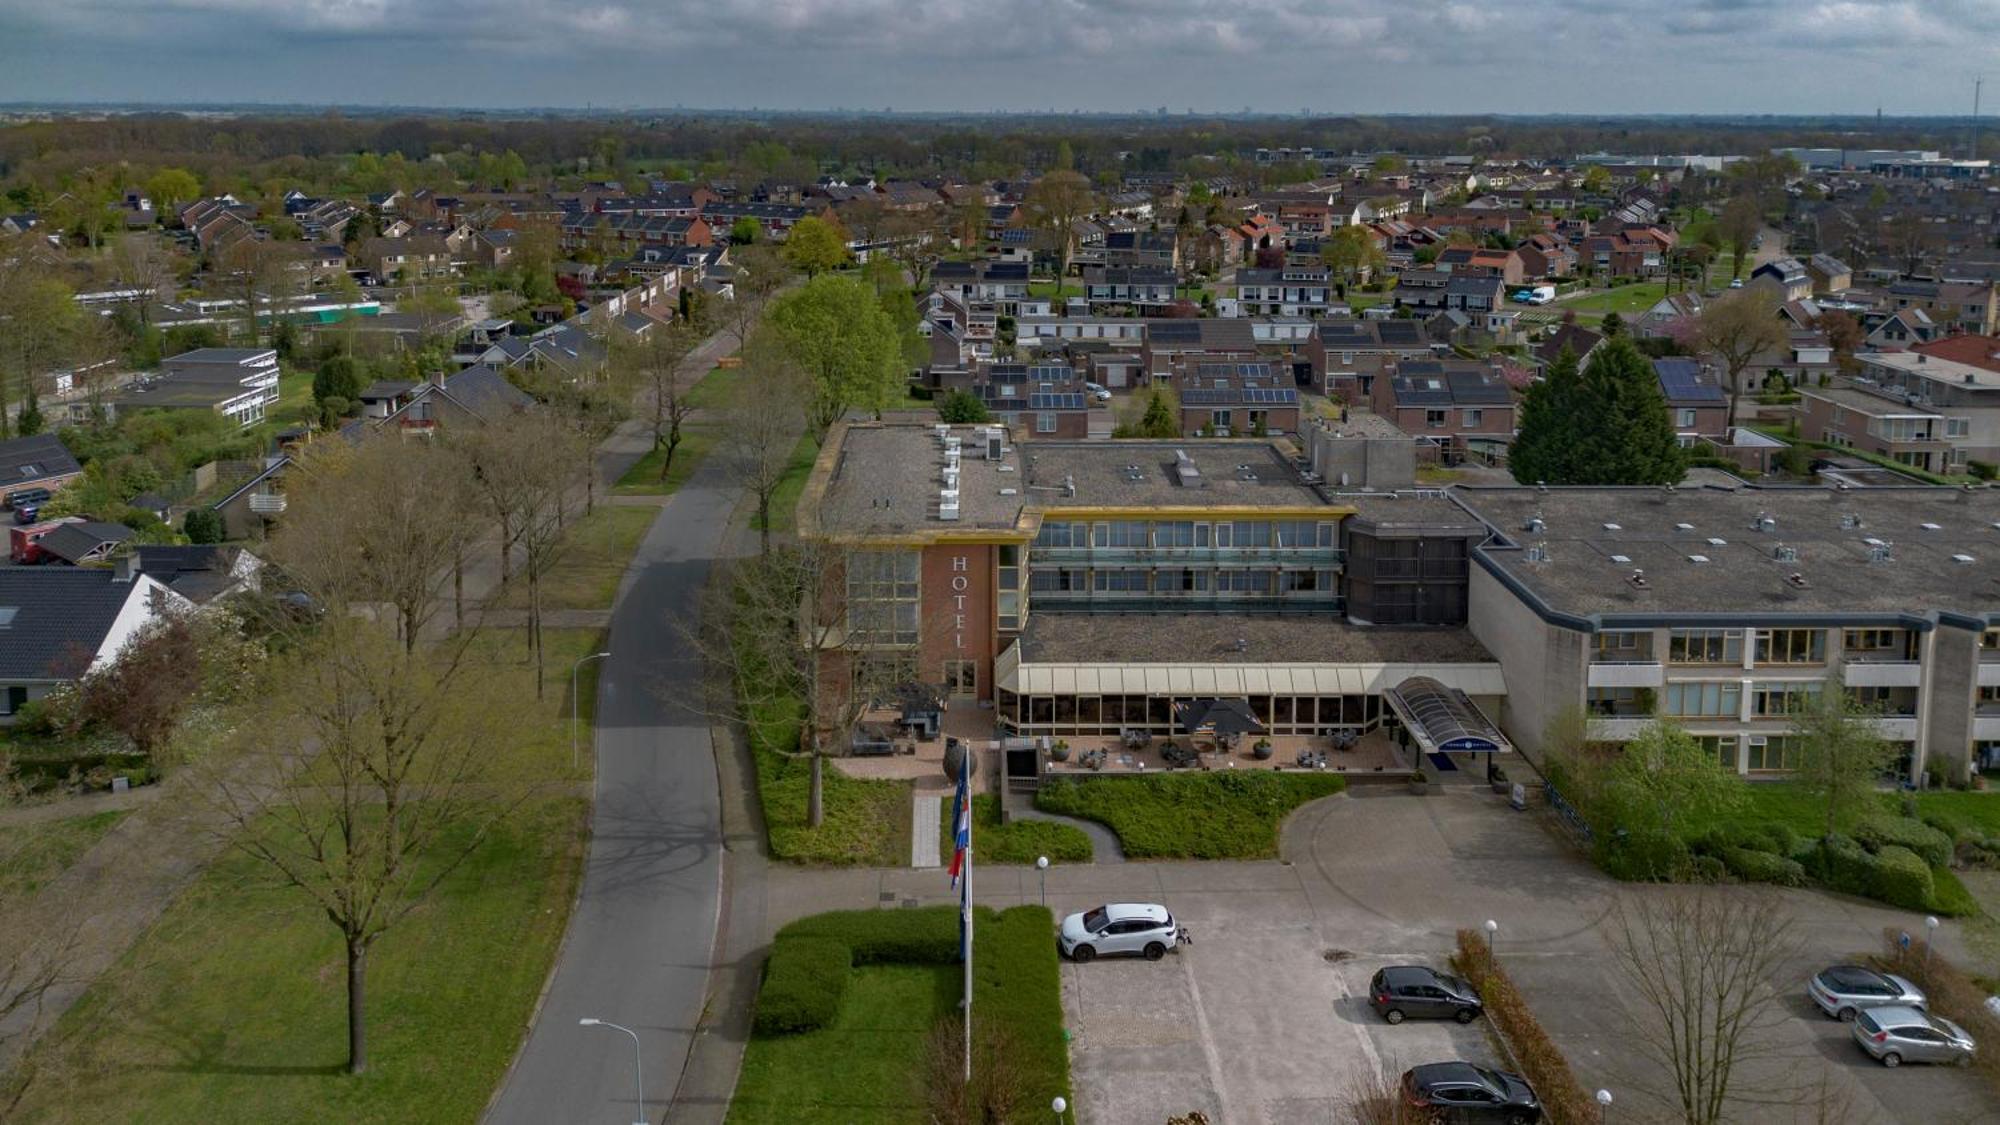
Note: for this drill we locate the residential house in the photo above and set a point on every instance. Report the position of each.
(1904, 328)
(1546, 255)
(59, 623)
(394, 260)
(1463, 261)
(1463, 407)
(1695, 399)
(1974, 351)
(1347, 354)
(1670, 314)
(776, 220)
(1221, 399)
(1171, 346)
(1579, 341)
(1042, 401)
(1156, 249)
(1149, 289)
(1423, 290)
(81, 541)
(1932, 414)
(40, 463)
(1957, 306)
(1788, 276)
(1474, 294)
(1294, 290)
(201, 574)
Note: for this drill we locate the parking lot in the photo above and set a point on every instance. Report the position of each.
(1263, 1018)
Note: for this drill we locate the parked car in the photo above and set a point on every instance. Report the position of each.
(1736, 283)
(1895, 1035)
(1098, 392)
(1844, 990)
(1143, 928)
(1415, 991)
(1459, 1092)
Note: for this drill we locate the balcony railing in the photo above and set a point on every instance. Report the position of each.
(267, 503)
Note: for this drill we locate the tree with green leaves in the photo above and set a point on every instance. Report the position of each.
(815, 246)
(1608, 424)
(1054, 205)
(745, 231)
(962, 407)
(1352, 250)
(1738, 224)
(202, 525)
(1612, 325)
(1160, 420)
(1655, 786)
(1843, 755)
(168, 188)
(834, 330)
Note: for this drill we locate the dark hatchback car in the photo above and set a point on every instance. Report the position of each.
(1460, 1093)
(1402, 992)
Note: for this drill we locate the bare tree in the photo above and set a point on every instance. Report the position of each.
(669, 395)
(760, 272)
(143, 263)
(1737, 328)
(918, 241)
(1055, 203)
(1377, 1099)
(1739, 222)
(760, 429)
(144, 692)
(544, 473)
(1701, 963)
(393, 798)
(1911, 238)
(264, 274)
(377, 523)
(814, 633)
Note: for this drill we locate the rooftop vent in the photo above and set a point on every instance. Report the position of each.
(1637, 578)
(1962, 558)
(1718, 542)
(1928, 526)
(1010, 491)
(1764, 523)
(1069, 485)
(948, 504)
(1537, 554)
(1535, 526)
(1185, 471)
(1697, 558)
(1612, 527)
(1879, 553)
(1797, 580)
(1852, 522)
(1785, 554)
(1684, 527)
(1621, 560)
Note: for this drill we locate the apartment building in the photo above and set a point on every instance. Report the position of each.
(1924, 411)
(1726, 610)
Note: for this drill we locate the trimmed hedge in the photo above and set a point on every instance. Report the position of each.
(803, 983)
(1017, 988)
(1218, 814)
(1763, 867)
(1845, 866)
(1542, 1063)
(1880, 832)
(901, 937)
(1902, 878)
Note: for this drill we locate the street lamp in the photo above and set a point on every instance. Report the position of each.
(1060, 1105)
(1492, 928)
(1603, 1106)
(1042, 873)
(574, 668)
(1930, 937)
(638, 1063)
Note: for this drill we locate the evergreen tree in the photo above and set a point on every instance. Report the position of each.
(1613, 325)
(1544, 448)
(30, 421)
(1159, 420)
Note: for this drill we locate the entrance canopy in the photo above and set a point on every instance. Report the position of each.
(1443, 719)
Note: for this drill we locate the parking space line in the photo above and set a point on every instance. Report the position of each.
(1208, 1052)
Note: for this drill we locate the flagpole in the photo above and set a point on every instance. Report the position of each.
(965, 903)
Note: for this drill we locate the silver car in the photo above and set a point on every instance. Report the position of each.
(1896, 1035)
(1844, 990)
(1118, 927)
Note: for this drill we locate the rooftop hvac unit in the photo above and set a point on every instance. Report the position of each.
(994, 447)
(950, 476)
(948, 504)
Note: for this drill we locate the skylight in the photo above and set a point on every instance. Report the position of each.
(7, 613)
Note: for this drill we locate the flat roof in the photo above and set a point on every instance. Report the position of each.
(1904, 552)
(1934, 367)
(1872, 404)
(1232, 473)
(1213, 638)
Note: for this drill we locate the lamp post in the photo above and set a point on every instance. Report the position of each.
(1492, 928)
(1603, 1106)
(1060, 1105)
(573, 670)
(638, 1062)
(1930, 937)
(1042, 874)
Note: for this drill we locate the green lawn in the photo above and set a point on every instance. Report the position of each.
(1020, 841)
(1212, 815)
(1626, 300)
(1051, 289)
(785, 500)
(30, 857)
(862, 1068)
(698, 439)
(232, 1007)
(596, 550)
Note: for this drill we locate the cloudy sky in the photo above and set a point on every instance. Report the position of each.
(1528, 56)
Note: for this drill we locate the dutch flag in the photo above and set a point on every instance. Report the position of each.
(961, 821)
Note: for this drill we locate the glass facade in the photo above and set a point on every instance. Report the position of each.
(1111, 714)
(1226, 566)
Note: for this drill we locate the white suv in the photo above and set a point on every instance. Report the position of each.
(1119, 927)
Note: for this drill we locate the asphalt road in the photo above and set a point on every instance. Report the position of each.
(641, 939)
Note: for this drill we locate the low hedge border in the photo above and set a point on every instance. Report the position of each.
(1541, 1061)
(1952, 993)
(803, 983)
(1215, 814)
(1898, 860)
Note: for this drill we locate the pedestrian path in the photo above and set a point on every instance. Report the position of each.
(924, 833)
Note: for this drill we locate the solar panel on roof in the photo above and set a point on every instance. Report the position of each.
(1174, 331)
(1055, 401)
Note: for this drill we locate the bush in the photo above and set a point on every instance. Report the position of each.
(1215, 815)
(1983, 470)
(1642, 857)
(1016, 981)
(962, 407)
(1017, 841)
(1542, 1062)
(1876, 833)
(202, 526)
(803, 983)
(1763, 867)
(1845, 866)
(902, 937)
(1901, 878)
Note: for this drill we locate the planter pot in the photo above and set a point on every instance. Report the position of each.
(1263, 751)
(1060, 752)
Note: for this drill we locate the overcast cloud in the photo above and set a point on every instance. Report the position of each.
(1527, 56)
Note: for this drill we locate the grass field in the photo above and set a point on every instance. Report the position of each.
(596, 550)
(864, 1067)
(785, 500)
(1020, 841)
(30, 857)
(1216, 815)
(698, 438)
(1626, 300)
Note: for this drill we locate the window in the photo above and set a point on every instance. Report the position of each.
(1304, 533)
(1175, 580)
(1705, 646)
(1628, 647)
(1045, 422)
(961, 677)
(1301, 581)
(1436, 419)
(1957, 427)
(1775, 754)
(1684, 419)
(1886, 701)
(1243, 581)
(1120, 581)
(1179, 533)
(882, 597)
(1879, 644)
(1722, 746)
(1791, 646)
(1780, 699)
(1053, 580)
(1063, 535)
(1620, 702)
(1719, 699)
(1473, 417)
(1252, 533)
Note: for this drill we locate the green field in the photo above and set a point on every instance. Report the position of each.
(1018, 841)
(785, 500)
(1626, 300)
(698, 438)
(1210, 815)
(862, 1068)
(31, 856)
(596, 549)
